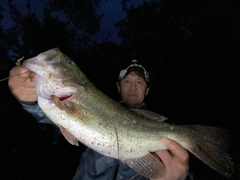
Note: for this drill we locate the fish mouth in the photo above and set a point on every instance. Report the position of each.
(46, 89)
(58, 100)
(49, 83)
(65, 97)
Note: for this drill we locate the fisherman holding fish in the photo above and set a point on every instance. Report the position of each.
(133, 85)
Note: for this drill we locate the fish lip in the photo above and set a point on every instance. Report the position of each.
(33, 67)
(63, 98)
(32, 62)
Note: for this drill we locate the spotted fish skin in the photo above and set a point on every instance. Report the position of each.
(87, 115)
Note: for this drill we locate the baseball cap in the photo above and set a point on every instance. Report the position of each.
(135, 67)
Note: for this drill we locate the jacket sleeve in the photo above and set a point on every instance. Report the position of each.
(36, 112)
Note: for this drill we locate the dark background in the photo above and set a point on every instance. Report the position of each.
(191, 49)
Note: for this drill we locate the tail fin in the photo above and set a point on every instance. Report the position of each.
(210, 145)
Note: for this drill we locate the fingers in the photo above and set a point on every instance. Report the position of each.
(19, 71)
(165, 157)
(177, 151)
(175, 160)
(21, 76)
(21, 85)
(31, 76)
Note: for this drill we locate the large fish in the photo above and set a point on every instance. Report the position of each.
(72, 102)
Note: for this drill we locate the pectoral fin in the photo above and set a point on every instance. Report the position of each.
(62, 105)
(149, 166)
(68, 136)
(150, 115)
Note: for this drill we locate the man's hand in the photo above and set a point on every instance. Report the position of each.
(175, 161)
(21, 85)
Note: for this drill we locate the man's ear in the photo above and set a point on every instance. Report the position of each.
(118, 87)
(147, 91)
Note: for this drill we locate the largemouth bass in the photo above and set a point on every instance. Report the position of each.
(73, 103)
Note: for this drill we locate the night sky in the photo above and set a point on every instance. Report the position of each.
(202, 91)
(112, 11)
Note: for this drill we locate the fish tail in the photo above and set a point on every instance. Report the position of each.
(210, 144)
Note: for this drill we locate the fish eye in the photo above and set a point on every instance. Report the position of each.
(69, 61)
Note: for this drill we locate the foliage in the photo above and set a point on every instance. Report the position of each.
(82, 14)
(153, 34)
(4, 59)
(64, 24)
(191, 48)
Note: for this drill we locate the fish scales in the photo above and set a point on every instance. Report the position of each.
(72, 102)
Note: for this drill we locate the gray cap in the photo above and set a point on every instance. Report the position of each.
(135, 67)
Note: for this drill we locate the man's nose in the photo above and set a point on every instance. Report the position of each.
(133, 85)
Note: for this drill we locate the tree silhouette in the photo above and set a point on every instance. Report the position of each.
(81, 14)
(5, 64)
(64, 24)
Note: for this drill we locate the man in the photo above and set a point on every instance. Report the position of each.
(133, 84)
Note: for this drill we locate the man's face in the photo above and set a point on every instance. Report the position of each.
(133, 89)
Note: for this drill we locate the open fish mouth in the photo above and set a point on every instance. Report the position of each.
(47, 86)
(65, 97)
(49, 89)
(49, 79)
